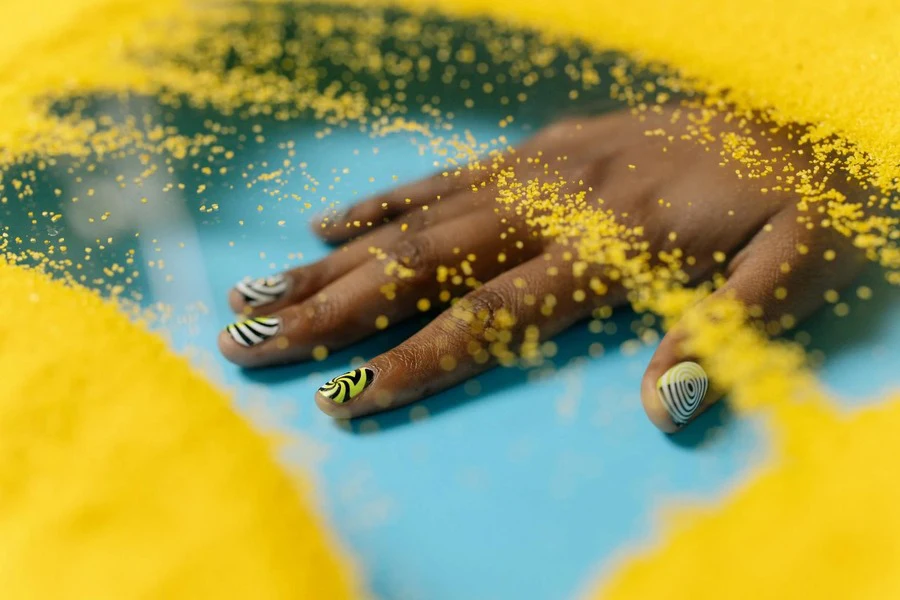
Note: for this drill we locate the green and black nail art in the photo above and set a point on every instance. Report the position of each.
(348, 386)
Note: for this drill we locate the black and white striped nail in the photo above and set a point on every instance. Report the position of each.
(262, 291)
(681, 390)
(254, 331)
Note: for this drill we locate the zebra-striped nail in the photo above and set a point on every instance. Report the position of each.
(681, 389)
(262, 291)
(254, 331)
(348, 386)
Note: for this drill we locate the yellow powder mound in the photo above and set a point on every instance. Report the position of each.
(820, 523)
(126, 475)
(48, 47)
(834, 63)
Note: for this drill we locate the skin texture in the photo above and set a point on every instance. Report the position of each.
(677, 191)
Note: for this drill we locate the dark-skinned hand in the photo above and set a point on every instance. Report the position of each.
(448, 238)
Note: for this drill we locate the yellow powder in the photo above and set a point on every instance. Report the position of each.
(821, 522)
(834, 63)
(126, 475)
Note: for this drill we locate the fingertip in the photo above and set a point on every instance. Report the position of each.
(673, 397)
(331, 227)
(249, 296)
(244, 342)
(229, 348)
(653, 405)
(237, 303)
(333, 410)
(340, 397)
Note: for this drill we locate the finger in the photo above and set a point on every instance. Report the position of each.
(551, 143)
(780, 277)
(379, 210)
(507, 318)
(426, 266)
(252, 297)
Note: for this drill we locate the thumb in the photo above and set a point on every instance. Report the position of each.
(780, 277)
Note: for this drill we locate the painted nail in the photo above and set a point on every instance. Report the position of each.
(681, 389)
(262, 291)
(348, 386)
(254, 331)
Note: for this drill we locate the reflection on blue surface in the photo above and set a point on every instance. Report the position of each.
(521, 490)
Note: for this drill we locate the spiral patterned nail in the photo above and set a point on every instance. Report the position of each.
(681, 390)
(254, 331)
(347, 386)
(262, 291)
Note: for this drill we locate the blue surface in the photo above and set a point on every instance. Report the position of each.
(523, 490)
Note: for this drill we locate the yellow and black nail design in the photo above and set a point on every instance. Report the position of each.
(682, 389)
(262, 291)
(254, 331)
(348, 386)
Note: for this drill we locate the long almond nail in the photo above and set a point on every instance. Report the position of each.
(681, 389)
(262, 291)
(254, 331)
(348, 386)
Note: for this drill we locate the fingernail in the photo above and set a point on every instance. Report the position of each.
(681, 389)
(348, 386)
(338, 215)
(254, 331)
(262, 291)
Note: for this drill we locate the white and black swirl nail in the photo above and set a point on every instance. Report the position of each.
(682, 389)
(262, 291)
(254, 331)
(347, 386)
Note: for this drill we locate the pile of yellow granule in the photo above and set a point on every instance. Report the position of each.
(835, 64)
(126, 475)
(821, 522)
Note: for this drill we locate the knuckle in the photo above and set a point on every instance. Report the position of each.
(405, 358)
(480, 313)
(416, 220)
(412, 259)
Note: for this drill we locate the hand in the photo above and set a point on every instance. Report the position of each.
(491, 238)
